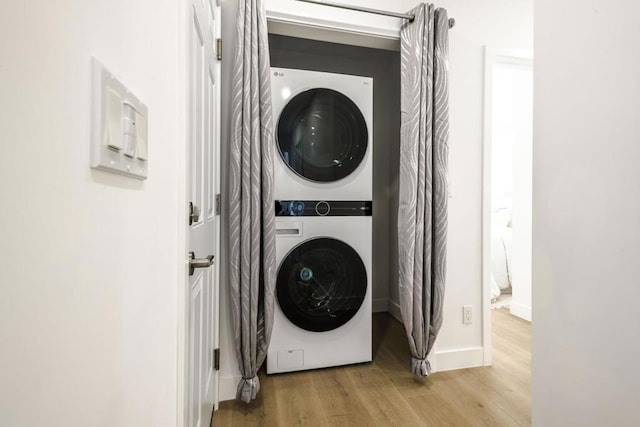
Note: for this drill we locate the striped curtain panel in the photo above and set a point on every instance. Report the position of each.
(422, 212)
(251, 204)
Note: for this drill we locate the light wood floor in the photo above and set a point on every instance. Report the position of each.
(384, 393)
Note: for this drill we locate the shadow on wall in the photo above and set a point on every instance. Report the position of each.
(384, 67)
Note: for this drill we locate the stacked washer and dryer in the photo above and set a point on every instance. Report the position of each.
(323, 190)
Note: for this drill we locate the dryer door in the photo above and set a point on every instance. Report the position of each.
(322, 135)
(321, 284)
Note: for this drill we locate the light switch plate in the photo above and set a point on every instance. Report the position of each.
(118, 144)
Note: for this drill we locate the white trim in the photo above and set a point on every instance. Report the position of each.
(352, 28)
(330, 31)
(217, 190)
(182, 241)
(491, 57)
(380, 305)
(486, 210)
(457, 359)
(522, 311)
(509, 56)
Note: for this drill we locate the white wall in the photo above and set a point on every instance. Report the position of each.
(586, 214)
(88, 259)
(497, 23)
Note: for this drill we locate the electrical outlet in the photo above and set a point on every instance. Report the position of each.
(467, 317)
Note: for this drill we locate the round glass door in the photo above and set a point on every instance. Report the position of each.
(321, 284)
(322, 135)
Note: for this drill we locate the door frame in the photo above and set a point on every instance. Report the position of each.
(182, 280)
(491, 58)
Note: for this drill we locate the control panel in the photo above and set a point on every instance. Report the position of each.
(323, 208)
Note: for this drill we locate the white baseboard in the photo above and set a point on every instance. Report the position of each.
(521, 311)
(449, 360)
(228, 388)
(380, 305)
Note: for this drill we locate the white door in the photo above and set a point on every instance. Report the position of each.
(204, 228)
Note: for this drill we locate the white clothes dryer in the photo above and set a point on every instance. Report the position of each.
(323, 134)
(322, 315)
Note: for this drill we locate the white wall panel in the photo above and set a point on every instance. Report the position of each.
(88, 274)
(586, 218)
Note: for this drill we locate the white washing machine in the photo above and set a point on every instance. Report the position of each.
(324, 135)
(322, 315)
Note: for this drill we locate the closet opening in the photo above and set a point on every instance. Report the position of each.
(383, 66)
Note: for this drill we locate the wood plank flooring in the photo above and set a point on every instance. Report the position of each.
(384, 393)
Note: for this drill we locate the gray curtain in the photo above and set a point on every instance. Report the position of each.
(422, 212)
(251, 208)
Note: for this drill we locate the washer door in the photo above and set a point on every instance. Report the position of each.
(322, 135)
(321, 284)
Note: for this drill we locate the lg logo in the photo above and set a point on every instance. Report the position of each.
(277, 74)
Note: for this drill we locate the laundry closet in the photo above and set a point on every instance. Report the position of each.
(356, 92)
(320, 38)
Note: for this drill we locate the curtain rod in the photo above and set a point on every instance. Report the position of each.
(452, 21)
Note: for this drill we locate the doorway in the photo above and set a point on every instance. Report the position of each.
(507, 189)
(198, 349)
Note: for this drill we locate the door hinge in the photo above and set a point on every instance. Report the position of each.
(216, 359)
(194, 213)
(219, 49)
(218, 207)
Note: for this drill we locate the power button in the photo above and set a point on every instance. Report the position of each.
(323, 208)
